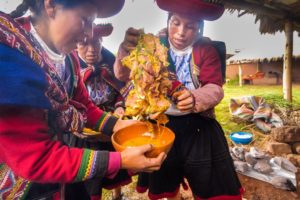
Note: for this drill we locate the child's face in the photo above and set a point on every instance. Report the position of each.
(182, 31)
(67, 27)
(90, 50)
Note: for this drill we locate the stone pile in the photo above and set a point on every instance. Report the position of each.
(262, 166)
(285, 142)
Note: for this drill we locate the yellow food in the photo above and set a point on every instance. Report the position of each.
(149, 75)
(138, 141)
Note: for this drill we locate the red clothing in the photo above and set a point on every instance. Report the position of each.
(27, 147)
(96, 118)
(209, 62)
(28, 150)
(209, 66)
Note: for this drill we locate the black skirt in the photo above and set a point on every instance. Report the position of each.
(200, 154)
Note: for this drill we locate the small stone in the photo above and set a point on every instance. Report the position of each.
(294, 158)
(277, 148)
(286, 134)
(250, 159)
(257, 153)
(263, 166)
(285, 164)
(296, 148)
(239, 152)
(241, 166)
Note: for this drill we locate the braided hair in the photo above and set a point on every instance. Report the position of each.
(21, 9)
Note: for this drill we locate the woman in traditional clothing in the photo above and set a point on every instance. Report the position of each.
(96, 70)
(36, 108)
(96, 64)
(200, 151)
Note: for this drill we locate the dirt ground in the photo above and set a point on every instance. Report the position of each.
(259, 190)
(254, 190)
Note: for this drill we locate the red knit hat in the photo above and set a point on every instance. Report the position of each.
(195, 9)
(102, 30)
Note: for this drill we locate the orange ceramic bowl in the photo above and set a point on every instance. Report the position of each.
(138, 134)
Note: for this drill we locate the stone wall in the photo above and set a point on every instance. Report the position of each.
(286, 142)
(295, 117)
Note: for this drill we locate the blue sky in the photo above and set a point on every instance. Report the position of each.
(238, 33)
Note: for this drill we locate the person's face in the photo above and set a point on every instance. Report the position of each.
(182, 31)
(67, 27)
(89, 51)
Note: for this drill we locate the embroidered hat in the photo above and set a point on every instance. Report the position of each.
(102, 30)
(108, 8)
(195, 9)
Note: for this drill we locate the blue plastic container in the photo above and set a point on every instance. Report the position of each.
(241, 137)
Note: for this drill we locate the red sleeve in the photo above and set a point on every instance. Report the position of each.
(97, 119)
(26, 147)
(210, 65)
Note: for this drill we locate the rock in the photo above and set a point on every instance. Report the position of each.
(241, 166)
(285, 164)
(239, 152)
(283, 112)
(232, 155)
(277, 148)
(234, 158)
(286, 134)
(250, 159)
(296, 148)
(283, 183)
(295, 117)
(263, 166)
(295, 159)
(255, 153)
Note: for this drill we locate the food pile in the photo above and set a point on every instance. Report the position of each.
(149, 75)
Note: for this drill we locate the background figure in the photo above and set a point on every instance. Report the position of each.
(200, 151)
(42, 97)
(96, 65)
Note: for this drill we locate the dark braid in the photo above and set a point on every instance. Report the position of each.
(20, 10)
(35, 6)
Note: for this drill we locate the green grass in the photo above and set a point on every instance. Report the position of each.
(272, 94)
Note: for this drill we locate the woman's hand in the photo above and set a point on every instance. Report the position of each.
(134, 159)
(185, 100)
(131, 39)
(119, 112)
(129, 43)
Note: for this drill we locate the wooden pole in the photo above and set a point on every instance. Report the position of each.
(240, 74)
(258, 67)
(287, 65)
